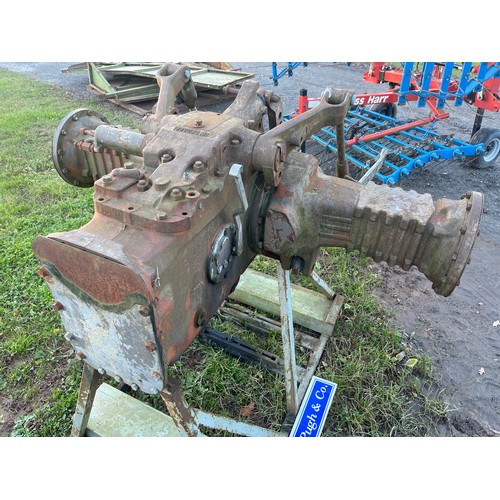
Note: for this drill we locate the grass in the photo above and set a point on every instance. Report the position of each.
(378, 393)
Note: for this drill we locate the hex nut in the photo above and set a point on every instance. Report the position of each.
(198, 167)
(176, 194)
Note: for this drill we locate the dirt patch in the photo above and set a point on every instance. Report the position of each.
(11, 410)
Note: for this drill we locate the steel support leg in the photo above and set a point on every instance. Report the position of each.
(321, 284)
(88, 387)
(287, 333)
(179, 409)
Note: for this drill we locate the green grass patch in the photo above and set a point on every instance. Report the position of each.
(34, 357)
(379, 392)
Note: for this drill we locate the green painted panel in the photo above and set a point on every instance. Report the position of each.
(311, 309)
(116, 414)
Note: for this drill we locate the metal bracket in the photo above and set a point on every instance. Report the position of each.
(235, 173)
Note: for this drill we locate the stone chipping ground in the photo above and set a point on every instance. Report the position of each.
(460, 333)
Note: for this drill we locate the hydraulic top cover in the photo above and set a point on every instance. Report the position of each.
(183, 207)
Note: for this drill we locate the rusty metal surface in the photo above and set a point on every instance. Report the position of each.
(164, 197)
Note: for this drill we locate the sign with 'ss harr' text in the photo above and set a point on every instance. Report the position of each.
(314, 408)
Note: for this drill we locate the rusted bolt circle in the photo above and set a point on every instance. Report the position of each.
(156, 374)
(161, 215)
(57, 306)
(144, 311)
(198, 123)
(80, 355)
(107, 179)
(150, 346)
(192, 194)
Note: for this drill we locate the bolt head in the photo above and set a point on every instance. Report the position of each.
(57, 306)
(42, 272)
(161, 215)
(150, 346)
(161, 183)
(198, 166)
(176, 194)
(107, 179)
(144, 311)
(80, 355)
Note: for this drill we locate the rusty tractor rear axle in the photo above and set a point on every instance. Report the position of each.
(184, 206)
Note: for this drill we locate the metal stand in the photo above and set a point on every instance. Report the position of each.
(188, 420)
(288, 339)
(88, 387)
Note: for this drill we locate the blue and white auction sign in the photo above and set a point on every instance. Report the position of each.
(314, 408)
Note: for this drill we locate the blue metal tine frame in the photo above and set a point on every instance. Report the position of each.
(287, 70)
(405, 82)
(414, 146)
(425, 82)
(406, 150)
(462, 85)
(444, 91)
